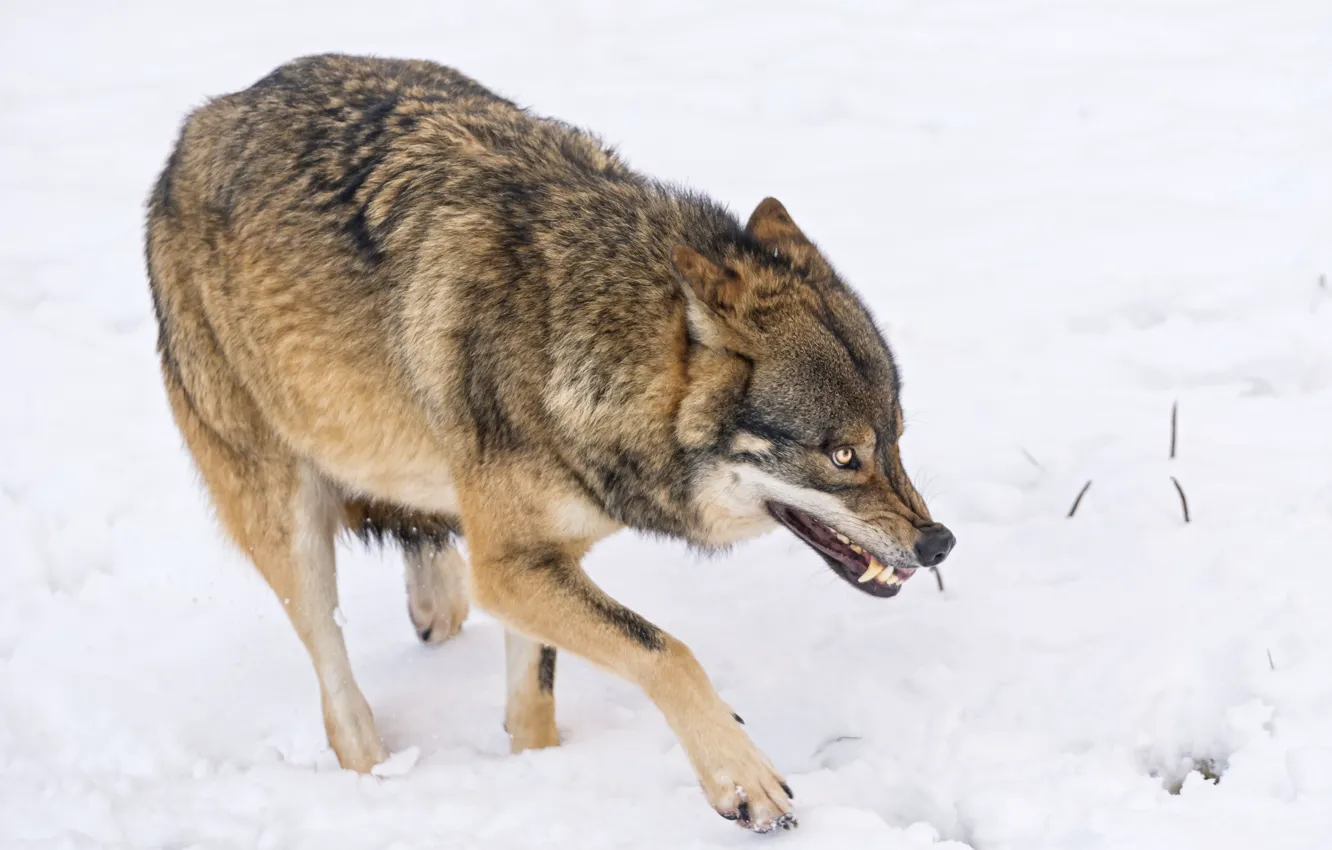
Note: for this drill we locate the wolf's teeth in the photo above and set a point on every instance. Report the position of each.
(871, 571)
(889, 578)
(844, 538)
(856, 549)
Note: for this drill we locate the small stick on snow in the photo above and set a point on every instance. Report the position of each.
(1034, 462)
(1322, 281)
(938, 578)
(1270, 662)
(1174, 426)
(1078, 500)
(1182, 501)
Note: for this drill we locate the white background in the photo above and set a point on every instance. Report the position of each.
(1065, 215)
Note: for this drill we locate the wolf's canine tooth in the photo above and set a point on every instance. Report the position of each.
(871, 571)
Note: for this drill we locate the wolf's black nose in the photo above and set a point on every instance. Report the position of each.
(934, 545)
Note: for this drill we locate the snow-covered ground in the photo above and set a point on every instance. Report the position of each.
(1067, 216)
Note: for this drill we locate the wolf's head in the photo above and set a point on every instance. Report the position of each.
(797, 388)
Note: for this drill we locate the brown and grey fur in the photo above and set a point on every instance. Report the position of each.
(391, 301)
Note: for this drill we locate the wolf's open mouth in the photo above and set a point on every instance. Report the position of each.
(847, 559)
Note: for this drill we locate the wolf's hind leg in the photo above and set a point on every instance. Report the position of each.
(305, 579)
(436, 591)
(283, 514)
(529, 715)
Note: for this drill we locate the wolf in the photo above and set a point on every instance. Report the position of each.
(394, 303)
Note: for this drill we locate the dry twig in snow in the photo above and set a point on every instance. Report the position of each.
(1182, 501)
(1078, 500)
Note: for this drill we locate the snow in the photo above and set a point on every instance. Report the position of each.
(1067, 216)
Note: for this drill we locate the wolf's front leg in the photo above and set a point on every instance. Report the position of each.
(529, 713)
(538, 588)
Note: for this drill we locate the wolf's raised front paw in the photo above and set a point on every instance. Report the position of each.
(747, 789)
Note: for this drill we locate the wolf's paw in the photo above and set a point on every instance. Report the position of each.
(352, 733)
(762, 807)
(533, 735)
(436, 594)
(747, 789)
(437, 620)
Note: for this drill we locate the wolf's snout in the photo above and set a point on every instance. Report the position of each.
(934, 545)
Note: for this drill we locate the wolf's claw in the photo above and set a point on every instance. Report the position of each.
(785, 821)
(743, 815)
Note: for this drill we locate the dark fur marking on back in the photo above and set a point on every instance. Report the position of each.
(339, 165)
(362, 239)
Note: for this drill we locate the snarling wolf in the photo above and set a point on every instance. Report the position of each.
(395, 303)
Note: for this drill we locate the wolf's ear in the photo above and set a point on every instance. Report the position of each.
(718, 288)
(715, 298)
(772, 226)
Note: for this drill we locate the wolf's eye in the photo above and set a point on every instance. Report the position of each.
(845, 457)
